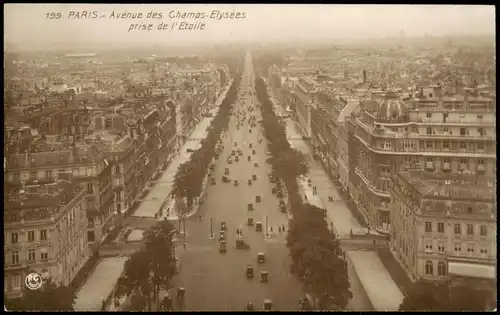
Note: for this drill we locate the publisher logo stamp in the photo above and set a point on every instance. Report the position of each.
(33, 281)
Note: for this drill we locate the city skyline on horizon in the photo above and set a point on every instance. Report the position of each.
(284, 23)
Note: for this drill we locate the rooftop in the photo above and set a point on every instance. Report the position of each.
(51, 195)
(453, 188)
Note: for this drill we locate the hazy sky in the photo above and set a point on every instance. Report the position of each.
(27, 24)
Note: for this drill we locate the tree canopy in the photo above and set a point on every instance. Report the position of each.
(441, 297)
(51, 297)
(151, 269)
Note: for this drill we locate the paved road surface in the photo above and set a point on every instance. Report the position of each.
(215, 281)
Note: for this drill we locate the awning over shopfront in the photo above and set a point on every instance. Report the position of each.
(472, 270)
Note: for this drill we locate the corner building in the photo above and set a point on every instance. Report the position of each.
(45, 231)
(442, 135)
(444, 228)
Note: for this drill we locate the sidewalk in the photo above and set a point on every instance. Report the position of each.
(159, 196)
(100, 284)
(378, 284)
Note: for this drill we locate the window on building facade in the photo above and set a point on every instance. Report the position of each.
(428, 115)
(48, 174)
(43, 235)
(463, 132)
(14, 238)
(483, 230)
(90, 188)
(470, 229)
(457, 228)
(440, 227)
(463, 145)
(446, 145)
(481, 132)
(117, 169)
(31, 236)
(469, 209)
(429, 268)
(480, 146)
(428, 245)
(483, 250)
(457, 247)
(33, 176)
(44, 255)
(16, 281)
(14, 257)
(429, 145)
(463, 161)
(441, 247)
(429, 130)
(31, 255)
(480, 162)
(447, 160)
(470, 248)
(90, 236)
(428, 227)
(441, 269)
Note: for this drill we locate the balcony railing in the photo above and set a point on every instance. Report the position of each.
(446, 165)
(429, 164)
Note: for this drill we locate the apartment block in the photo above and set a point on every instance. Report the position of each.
(45, 231)
(444, 228)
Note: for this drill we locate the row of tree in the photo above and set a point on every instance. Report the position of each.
(188, 180)
(317, 258)
(150, 270)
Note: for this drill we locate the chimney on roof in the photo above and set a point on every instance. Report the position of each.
(466, 96)
(437, 91)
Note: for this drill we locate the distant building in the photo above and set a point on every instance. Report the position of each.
(45, 231)
(81, 55)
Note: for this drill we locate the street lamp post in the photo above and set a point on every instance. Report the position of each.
(267, 227)
(212, 236)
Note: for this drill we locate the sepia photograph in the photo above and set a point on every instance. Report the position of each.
(249, 157)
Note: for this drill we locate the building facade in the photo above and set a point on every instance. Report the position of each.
(45, 231)
(325, 113)
(442, 135)
(343, 155)
(444, 228)
(42, 163)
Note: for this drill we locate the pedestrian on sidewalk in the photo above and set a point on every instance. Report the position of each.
(184, 246)
(284, 228)
(271, 229)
